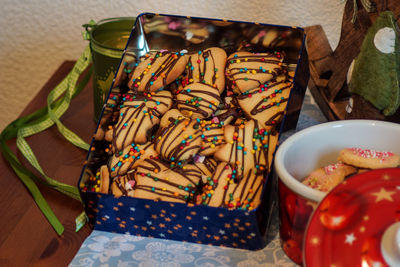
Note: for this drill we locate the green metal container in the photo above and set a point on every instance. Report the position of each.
(108, 39)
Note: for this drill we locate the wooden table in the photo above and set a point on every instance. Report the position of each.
(26, 237)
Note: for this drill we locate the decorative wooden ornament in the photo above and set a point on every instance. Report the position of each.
(328, 68)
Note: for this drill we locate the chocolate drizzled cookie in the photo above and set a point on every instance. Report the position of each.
(138, 114)
(247, 146)
(267, 103)
(156, 70)
(128, 159)
(180, 140)
(206, 165)
(123, 185)
(221, 190)
(202, 84)
(198, 100)
(206, 67)
(156, 180)
(248, 71)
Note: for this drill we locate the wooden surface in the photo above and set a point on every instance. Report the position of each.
(26, 237)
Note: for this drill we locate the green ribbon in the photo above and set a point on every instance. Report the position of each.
(57, 103)
(97, 47)
(113, 53)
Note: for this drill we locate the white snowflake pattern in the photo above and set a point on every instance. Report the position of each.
(107, 248)
(160, 254)
(83, 260)
(254, 263)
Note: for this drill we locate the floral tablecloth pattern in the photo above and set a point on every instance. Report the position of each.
(107, 249)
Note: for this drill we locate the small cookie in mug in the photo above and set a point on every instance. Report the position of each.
(326, 178)
(369, 158)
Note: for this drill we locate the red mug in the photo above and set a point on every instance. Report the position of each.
(312, 148)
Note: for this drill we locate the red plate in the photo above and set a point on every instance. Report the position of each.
(347, 227)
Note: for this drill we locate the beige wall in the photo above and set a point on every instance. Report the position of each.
(37, 36)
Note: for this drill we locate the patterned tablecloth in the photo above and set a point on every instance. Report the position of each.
(109, 249)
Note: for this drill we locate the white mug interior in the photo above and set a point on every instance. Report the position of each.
(319, 146)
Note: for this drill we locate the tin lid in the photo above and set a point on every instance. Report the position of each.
(357, 223)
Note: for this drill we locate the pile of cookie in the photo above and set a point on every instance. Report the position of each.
(197, 128)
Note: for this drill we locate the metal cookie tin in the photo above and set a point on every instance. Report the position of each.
(199, 224)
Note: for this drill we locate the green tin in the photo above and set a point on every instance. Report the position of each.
(108, 39)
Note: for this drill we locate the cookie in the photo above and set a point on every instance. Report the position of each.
(169, 117)
(247, 146)
(128, 159)
(369, 158)
(123, 185)
(221, 23)
(93, 182)
(180, 140)
(109, 113)
(267, 103)
(156, 70)
(196, 33)
(105, 179)
(206, 67)
(227, 111)
(221, 190)
(138, 114)
(193, 32)
(198, 100)
(126, 67)
(239, 121)
(273, 38)
(156, 180)
(326, 178)
(205, 165)
(212, 136)
(248, 71)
